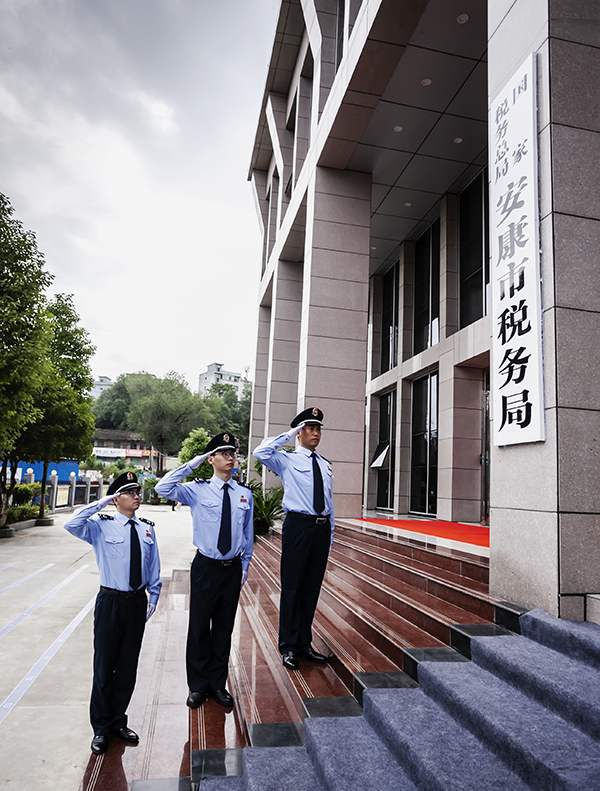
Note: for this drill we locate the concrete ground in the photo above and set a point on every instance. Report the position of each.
(45, 738)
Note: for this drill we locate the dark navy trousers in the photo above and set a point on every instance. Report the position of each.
(305, 549)
(118, 632)
(214, 595)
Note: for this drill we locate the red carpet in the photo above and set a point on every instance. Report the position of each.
(468, 534)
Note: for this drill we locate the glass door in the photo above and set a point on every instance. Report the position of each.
(423, 462)
(385, 456)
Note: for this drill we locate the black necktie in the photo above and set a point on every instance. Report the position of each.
(224, 542)
(135, 559)
(318, 495)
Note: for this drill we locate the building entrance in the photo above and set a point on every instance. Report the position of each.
(385, 457)
(424, 452)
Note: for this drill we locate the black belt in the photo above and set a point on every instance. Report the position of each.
(123, 594)
(317, 520)
(223, 563)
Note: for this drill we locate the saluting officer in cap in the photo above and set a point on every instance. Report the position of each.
(307, 531)
(127, 557)
(222, 518)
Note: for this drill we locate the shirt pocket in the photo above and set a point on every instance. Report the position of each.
(303, 477)
(147, 542)
(209, 511)
(113, 546)
(241, 511)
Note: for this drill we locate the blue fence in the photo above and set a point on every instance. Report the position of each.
(63, 468)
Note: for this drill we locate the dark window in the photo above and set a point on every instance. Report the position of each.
(474, 250)
(423, 461)
(426, 329)
(341, 22)
(384, 459)
(389, 320)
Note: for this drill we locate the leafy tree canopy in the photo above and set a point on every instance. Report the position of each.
(193, 445)
(165, 411)
(166, 415)
(25, 324)
(112, 407)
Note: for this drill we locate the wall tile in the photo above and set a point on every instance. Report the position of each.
(579, 553)
(341, 238)
(578, 357)
(337, 323)
(337, 352)
(524, 558)
(336, 264)
(339, 293)
(576, 20)
(575, 79)
(575, 182)
(525, 476)
(579, 460)
(577, 241)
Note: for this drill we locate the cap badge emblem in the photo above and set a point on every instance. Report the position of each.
(129, 476)
(315, 411)
(226, 437)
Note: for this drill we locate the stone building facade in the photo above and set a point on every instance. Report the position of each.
(374, 158)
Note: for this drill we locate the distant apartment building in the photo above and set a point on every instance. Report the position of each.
(102, 383)
(215, 373)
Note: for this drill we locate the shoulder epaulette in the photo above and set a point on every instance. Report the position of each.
(201, 480)
(245, 485)
(106, 516)
(147, 521)
(324, 459)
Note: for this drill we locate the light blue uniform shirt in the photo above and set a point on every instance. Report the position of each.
(296, 471)
(205, 499)
(110, 535)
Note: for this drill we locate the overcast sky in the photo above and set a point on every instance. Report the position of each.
(126, 130)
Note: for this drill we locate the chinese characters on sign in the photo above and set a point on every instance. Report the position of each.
(517, 375)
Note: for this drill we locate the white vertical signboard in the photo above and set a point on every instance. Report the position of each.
(517, 366)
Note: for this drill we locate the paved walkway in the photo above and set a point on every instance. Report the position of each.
(48, 582)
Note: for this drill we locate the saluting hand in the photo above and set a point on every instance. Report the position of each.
(108, 498)
(293, 432)
(197, 460)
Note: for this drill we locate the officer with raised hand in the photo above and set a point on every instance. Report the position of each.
(307, 531)
(223, 533)
(127, 556)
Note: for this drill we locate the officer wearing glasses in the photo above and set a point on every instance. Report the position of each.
(223, 533)
(127, 556)
(307, 531)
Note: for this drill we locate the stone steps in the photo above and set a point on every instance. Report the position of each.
(466, 728)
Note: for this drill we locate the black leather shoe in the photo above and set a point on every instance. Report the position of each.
(195, 699)
(312, 655)
(99, 744)
(222, 697)
(127, 735)
(289, 661)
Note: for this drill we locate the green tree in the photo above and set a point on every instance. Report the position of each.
(25, 333)
(112, 407)
(165, 416)
(66, 425)
(193, 445)
(228, 413)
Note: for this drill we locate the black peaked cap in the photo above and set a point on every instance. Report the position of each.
(224, 441)
(125, 481)
(311, 415)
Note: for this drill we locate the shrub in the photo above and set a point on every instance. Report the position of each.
(24, 493)
(21, 514)
(267, 507)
